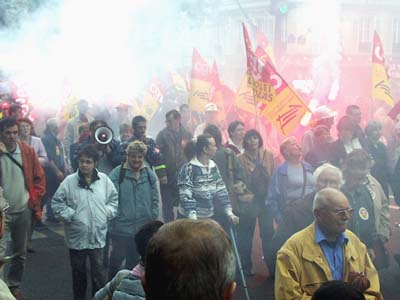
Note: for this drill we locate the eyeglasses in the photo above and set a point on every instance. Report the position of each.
(342, 212)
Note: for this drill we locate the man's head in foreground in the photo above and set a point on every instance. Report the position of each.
(332, 212)
(190, 259)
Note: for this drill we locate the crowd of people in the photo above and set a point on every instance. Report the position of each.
(321, 205)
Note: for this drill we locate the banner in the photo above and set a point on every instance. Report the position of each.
(381, 89)
(200, 85)
(244, 99)
(179, 82)
(152, 99)
(274, 98)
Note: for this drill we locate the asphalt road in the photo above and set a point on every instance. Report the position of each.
(48, 274)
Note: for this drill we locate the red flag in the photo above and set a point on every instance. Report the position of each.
(273, 96)
(200, 68)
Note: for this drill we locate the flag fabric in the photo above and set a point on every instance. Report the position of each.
(152, 99)
(200, 84)
(381, 89)
(244, 99)
(274, 98)
(179, 82)
(266, 47)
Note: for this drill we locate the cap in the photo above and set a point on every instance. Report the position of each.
(323, 112)
(211, 107)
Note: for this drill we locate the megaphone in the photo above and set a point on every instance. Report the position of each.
(103, 135)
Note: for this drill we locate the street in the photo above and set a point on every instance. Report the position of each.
(48, 274)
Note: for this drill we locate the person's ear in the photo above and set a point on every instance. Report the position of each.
(230, 291)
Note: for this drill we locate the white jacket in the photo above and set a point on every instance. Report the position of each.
(85, 212)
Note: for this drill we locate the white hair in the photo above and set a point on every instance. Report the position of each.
(327, 166)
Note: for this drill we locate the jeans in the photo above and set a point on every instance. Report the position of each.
(78, 266)
(122, 248)
(17, 227)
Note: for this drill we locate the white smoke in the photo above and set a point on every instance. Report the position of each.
(105, 51)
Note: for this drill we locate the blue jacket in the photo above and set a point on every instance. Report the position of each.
(137, 200)
(124, 286)
(277, 193)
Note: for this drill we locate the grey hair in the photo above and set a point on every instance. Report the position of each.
(327, 166)
(52, 122)
(372, 126)
(321, 198)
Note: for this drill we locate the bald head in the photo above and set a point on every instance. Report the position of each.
(328, 197)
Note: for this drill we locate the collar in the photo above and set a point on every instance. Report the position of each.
(17, 149)
(128, 167)
(320, 236)
(196, 162)
(230, 142)
(82, 182)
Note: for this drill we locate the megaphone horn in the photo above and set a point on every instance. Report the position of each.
(103, 135)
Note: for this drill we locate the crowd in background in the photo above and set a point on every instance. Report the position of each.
(105, 187)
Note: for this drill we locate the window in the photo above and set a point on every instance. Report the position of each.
(396, 35)
(365, 34)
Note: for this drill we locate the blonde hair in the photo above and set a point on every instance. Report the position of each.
(137, 147)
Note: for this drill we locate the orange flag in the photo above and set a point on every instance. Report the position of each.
(200, 85)
(275, 99)
(381, 89)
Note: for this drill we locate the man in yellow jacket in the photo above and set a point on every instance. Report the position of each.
(325, 251)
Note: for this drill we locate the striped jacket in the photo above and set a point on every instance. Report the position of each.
(202, 190)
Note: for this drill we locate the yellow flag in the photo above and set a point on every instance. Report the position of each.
(244, 99)
(200, 83)
(381, 89)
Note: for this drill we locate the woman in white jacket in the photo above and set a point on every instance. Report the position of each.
(86, 201)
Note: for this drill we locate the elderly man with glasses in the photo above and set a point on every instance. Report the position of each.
(325, 251)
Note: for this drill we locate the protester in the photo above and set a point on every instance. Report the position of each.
(347, 141)
(236, 135)
(231, 172)
(84, 137)
(138, 198)
(187, 118)
(5, 293)
(153, 155)
(210, 118)
(380, 167)
(371, 222)
(125, 133)
(24, 185)
(201, 188)
(55, 170)
(15, 111)
(111, 154)
(322, 116)
(27, 135)
(299, 214)
(320, 152)
(172, 140)
(126, 284)
(291, 181)
(71, 134)
(86, 201)
(325, 251)
(353, 112)
(190, 259)
(258, 165)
